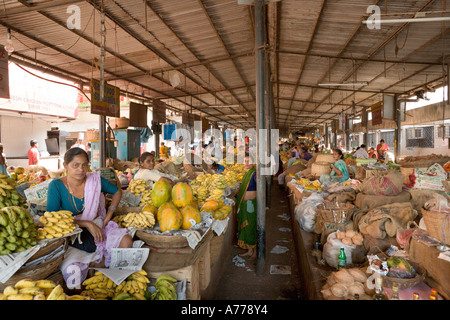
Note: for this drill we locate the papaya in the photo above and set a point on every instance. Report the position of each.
(182, 194)
(394, 262)
(161, 193)
(150, 208)
(162, 207)
(170, 219)
(191, 216)
(221, 213)
(210, 206)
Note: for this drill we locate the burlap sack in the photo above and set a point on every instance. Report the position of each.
(167, 167)
(420, 197)
(368, 202)
(384, 221)
(377, 246)
(294, 169)
(387, 185)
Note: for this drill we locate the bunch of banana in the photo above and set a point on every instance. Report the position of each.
(27, 289)
(215, 194)
(303, 182)
(316, 185)
(55, 224)
(204, 180)
(219, 182)
(165, 288)
(142, 220)
(137, 186)
(17, 230)
(200, 192)
(99, 287)
(146, 198)
(230, 178)
(9, 196)
(135, 285)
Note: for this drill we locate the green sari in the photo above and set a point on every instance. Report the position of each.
(246, 214)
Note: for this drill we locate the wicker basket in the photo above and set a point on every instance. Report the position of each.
(37, 272)
(438, 225)
(162, 241)
(326, 214)
(406, 283)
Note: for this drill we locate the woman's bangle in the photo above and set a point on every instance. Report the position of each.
(112, 208)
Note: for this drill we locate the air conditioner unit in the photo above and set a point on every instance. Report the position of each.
(415, 133)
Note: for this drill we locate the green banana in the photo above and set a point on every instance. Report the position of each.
(20, 249)
(4, 251)
(2, 242)
(10, 230)
(10, 246)
(166, 277)
(122, 296)
(166, 293)
(3, 233)
(25, 234)
(11, 213)
(4, 220)
(11, 239)
(18, 226)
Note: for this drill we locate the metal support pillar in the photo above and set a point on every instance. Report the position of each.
(260, 124)
(365, 122)
(398, 131)
(102, 118)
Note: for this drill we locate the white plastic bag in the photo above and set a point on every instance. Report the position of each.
(332, 248)
(306, 212)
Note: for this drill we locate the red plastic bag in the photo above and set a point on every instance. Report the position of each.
(403, 235)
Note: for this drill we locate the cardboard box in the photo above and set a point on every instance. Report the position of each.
(119, 123)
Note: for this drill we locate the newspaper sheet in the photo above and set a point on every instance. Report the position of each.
(124, 262)
(10, 263)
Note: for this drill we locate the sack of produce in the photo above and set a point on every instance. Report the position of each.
(306, 212)
(387, 185)
(332, 247)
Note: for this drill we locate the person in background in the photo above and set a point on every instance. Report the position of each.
(361, 153)
(372, 153)
(246, 211)
(33, 153)
(3, 162)
(382, 148)
(147, 162)
(218, 168)
(79, 144)
(339, 171)
(163, 151)
(88, 151)
(305, 154)
(292, 159)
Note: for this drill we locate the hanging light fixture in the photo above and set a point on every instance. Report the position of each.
(9, 46)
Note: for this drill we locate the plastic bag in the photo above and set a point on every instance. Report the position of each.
(332, 248)
(306, 212)
(403, 235)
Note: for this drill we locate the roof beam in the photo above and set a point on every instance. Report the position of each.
(35, 7)
(305, 59)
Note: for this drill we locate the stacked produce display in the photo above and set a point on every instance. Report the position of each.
(27, 289)
(55, 224)
(100, 287)
(8, 193)
(17, 230)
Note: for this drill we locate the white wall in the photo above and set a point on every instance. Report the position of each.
(16, 133)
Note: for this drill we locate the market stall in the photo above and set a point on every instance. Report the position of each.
(181, 231)
(386, 225)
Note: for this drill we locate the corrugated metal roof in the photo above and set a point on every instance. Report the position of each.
(210, 46)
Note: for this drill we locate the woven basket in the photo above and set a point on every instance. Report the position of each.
(37, 272)
(326, 215)
(160, 241)
(406, 283)
(438, 225)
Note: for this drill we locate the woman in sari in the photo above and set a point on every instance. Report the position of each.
(246, 204)
(339, 171)
(81, 192)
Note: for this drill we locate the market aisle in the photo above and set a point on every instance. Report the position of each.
(240, 282)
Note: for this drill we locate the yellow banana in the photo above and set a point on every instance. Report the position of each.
(45, 284)
(25, 283)
(10, 290)
(56, 292)
(48, 214)
(52, 220)
(20, 297)
(40, 296)
(31, 290)
(139, 296)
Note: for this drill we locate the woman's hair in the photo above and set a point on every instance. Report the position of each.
(339, 152)
(71, 153)
(33, 143)
(144, 156)
(214, 165)
(305, 149)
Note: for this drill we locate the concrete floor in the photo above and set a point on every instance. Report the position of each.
(243, 283)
